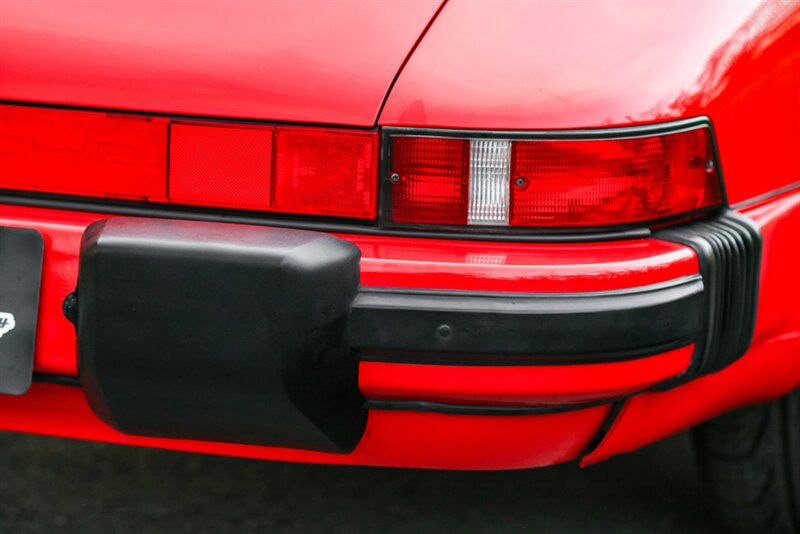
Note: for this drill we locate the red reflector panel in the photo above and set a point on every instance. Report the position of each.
(220, 165)
(607, 182)
(433, 176)
(325, 172)
(82, 153)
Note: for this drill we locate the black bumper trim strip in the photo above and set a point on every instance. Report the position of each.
(521, 329)
(470, 409)
(766, 196)
(494, 360)
(61, 380)
(728, 249)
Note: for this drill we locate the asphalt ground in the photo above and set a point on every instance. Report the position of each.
(56, 485)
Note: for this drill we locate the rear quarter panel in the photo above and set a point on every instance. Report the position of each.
(543, 65)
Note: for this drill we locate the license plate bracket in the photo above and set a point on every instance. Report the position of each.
(21, 252)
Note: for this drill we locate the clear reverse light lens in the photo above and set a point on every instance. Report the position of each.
(489, 181)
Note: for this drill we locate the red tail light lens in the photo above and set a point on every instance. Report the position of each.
(84, 153)
(220, 166)
(325, 172)
(318, 171)
(552, 183)
(428, 179)
(607, 182)
(434, 179)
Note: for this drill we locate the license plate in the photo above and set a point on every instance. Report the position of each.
(20, 277)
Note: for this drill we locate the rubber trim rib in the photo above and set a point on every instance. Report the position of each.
(728, 250)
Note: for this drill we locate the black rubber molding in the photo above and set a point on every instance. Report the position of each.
(471, 328)
(728, 250)
(219, 332)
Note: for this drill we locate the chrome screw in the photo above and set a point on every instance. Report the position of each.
(394, 178)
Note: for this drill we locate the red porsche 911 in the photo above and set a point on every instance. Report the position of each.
(438, 234)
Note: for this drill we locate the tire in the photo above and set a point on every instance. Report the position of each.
(751, 460)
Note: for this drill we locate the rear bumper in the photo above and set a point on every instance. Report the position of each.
(512, 353)
(490, 353)
(478, 332)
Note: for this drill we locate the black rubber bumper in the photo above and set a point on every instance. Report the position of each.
(728, 251)
(253, 335)
(219, 332)
(454, 327)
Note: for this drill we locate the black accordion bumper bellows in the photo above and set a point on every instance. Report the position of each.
(728, 250)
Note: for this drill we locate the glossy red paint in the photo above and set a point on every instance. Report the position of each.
(518, 385)
(401, 439)
(386, 262)
(770, 369)
(543, 65)
(282, 61)
(555, 65)
(524, 267)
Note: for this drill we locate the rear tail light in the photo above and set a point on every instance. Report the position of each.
(316, 171)
(438, 178)
(428, 182)
(554, 182)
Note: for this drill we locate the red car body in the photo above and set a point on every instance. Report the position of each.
(455, 65)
